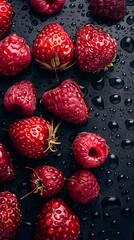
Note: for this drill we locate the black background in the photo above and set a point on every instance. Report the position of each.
(111, 105)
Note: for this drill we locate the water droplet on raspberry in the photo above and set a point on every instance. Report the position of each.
(50, 231)
(60, 229)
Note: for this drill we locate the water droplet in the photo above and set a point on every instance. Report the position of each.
(95, 215)
(117, 136)
(43, 19)
(126, 88)
(132, 64)
(122, 27)
(129, 124)
(111, 203)
(98, 102)
(109, 182)
(130, 20)
(117, 234)
(84, 90)
(115, 98)
(122, 177)
(114, 126)
(34, 22)
(127, 44)
(112, 161)
(92, 225)
(27, 225)
(121, 186)
(58, 156)
(61, 23)
(102, 232)
(2, 94)
(73, 24)
(72, 5)
(92, 235)
(117, 60)
(97, 114)
(108, 172)
(84, 219)
(130, 2)
(97, 84)
(126, 192)
(129, 164)
(113, 111)
(118, 26)
(95, 128)
(116, 83)
(3, 124)
(106, 216)
(24, 8)
(128, 102)
(80, 6)
(127, 144)
(126, 212)
(128, 199)
(122, 62)
(114, 223)
(130, 111)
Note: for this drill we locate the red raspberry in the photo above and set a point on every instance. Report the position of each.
(21, 96)
(6, 12)
(46, 180)
(90, 150)
(6, 168)
(47, 7)
(108, 9)
(67, 102)
(15, 55)
(83, 186)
